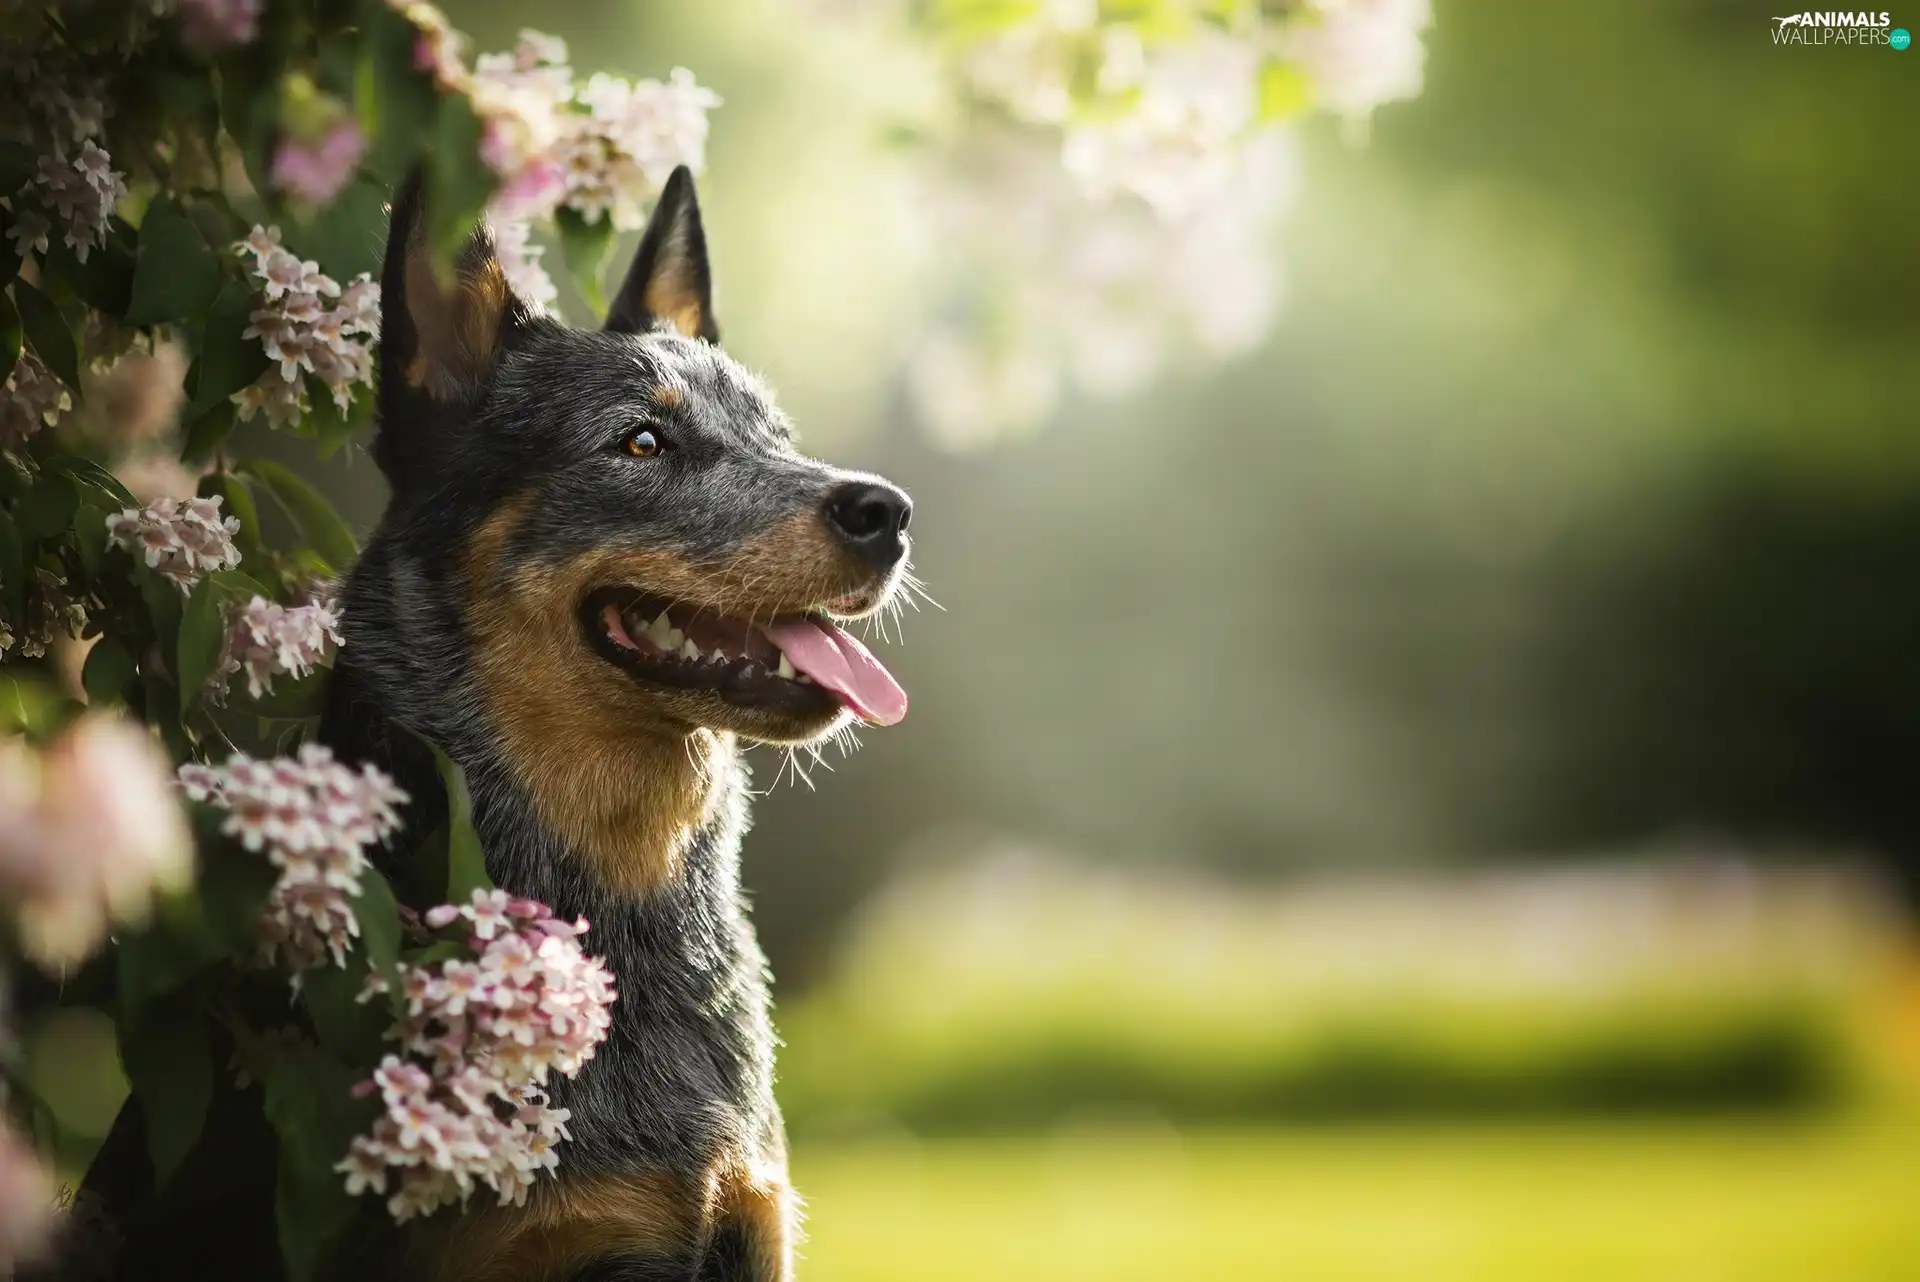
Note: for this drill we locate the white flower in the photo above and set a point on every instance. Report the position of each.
(520, 260)
(267, 639)
(619, 154)
(303, 332)
(314, 819)
(89, 831)
(1177, 148)
(1359, 54)
(83, 193)
(182, 540)
(463, 1101)
(31, 399)
(28, 233)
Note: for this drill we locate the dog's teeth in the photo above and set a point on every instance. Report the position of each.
(690, 652)
(675, 638)
(786, 667)
(805, 680)
(660, 633)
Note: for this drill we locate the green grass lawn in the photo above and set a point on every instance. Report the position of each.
(1731, 1201)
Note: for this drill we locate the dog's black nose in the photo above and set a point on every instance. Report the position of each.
(870, 516)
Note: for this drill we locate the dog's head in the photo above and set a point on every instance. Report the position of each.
(642, 545)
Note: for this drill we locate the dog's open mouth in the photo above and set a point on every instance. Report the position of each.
(801, 662)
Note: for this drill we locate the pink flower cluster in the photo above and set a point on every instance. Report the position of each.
(82, 193)
(619, 154)
(89, 830)
(480, 1036)
(308, 324)
(314, 170)
(521, 97)
(602, 149)
(32, 398)
(183, 540)
(27, 1201)
(314, 818)
(49, 611)
(268, 639)
(210, 26)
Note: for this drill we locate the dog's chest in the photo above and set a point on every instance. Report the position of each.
(686, 1072)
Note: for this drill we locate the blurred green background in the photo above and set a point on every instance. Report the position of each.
(1435, 797)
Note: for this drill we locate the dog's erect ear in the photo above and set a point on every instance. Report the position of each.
(669, 281)
(440, 337)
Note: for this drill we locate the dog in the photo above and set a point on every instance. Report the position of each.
(604, 568)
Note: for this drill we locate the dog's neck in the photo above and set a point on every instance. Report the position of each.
(661, 891)
(625, 802)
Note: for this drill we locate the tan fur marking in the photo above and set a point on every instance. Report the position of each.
(604, 764)
(458, 333)
(619, 772)
(668, 298)
(667, 397)
(572, 1221)
(568, 1223)
(765, 1206)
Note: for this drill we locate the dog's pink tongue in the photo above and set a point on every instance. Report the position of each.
(841, 664)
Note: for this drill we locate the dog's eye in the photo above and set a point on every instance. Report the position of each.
(645, 443)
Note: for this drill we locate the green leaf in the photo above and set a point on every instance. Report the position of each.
(206, 434)
(46, 511)
(93, 552)
(250, 105)
(9, 337)
(163, 604)
(168, 1057)
(349, 235)
(396, 101)
(460, 183)
(108, 671)
(228, 359)
(319, 524)
(105, 488)
(584, 246)
(47, 334)
(346, 1026)
(203, 631)
(234, 885)
(104, 281)
(27, 705)
(18, 164)
(176, 274)
(333, 430)
(379, 914)
(291, 700)
(310, 1103)
(13, 569)
(153, 964)
(466, 861)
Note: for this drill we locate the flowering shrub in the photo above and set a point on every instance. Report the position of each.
(267, 639)
(190, 212)
(314, 819)
(481, 1031)
(303, 333)
(1112, 197)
